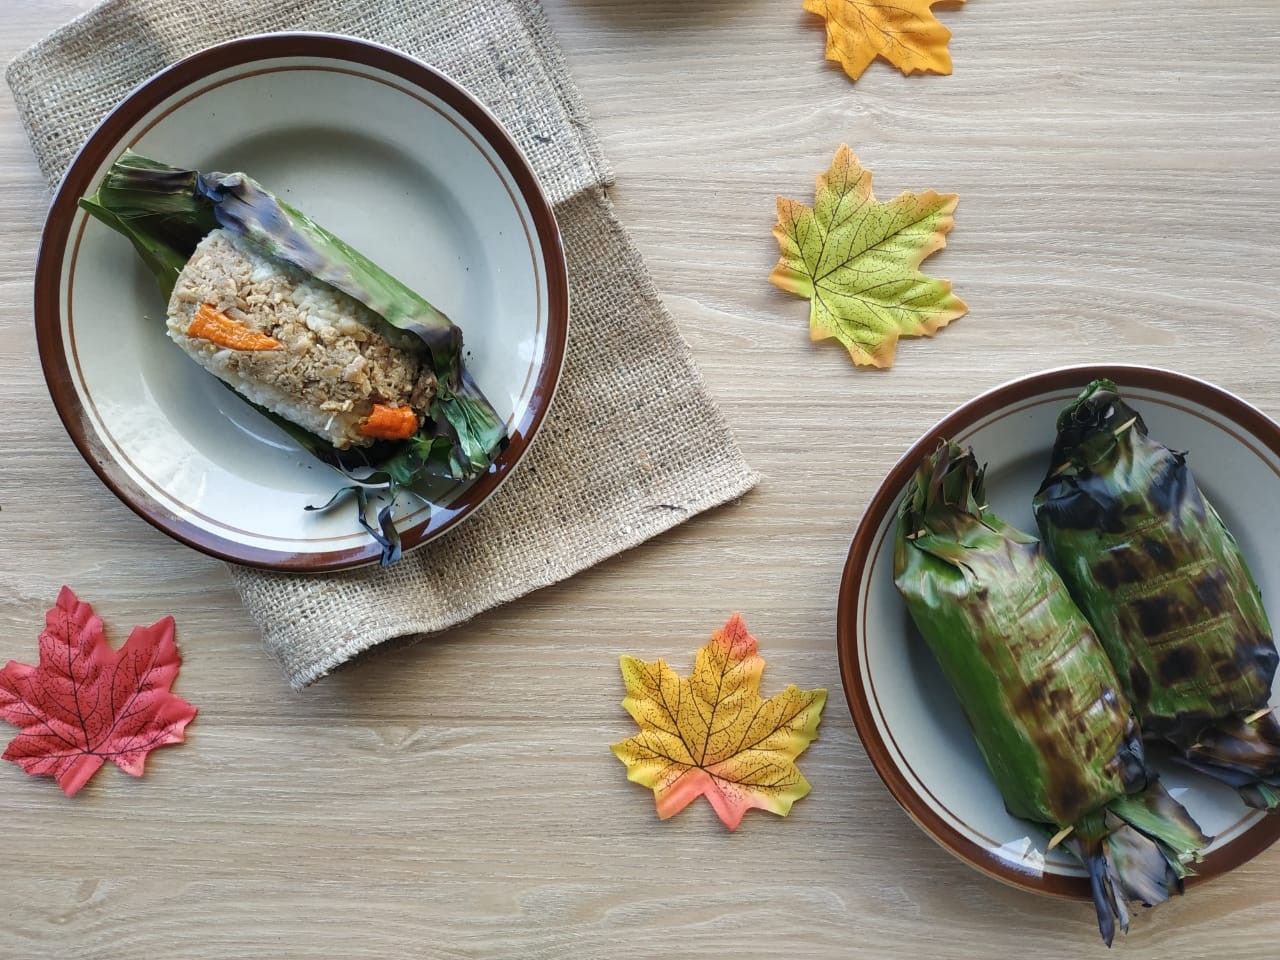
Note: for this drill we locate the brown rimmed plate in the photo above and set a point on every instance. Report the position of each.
(392, 156)
(906, 715)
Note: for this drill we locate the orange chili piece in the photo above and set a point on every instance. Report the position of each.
(214, 325)
(390, 423)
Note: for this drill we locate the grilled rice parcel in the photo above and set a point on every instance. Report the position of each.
(361, 370)
(1164, 583)
(1045, 705)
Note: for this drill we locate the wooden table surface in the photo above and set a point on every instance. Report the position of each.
(1118, 163)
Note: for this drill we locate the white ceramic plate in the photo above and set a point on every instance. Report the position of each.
(904, 710)
(394, 158)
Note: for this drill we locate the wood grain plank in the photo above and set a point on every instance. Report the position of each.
(1119, 174)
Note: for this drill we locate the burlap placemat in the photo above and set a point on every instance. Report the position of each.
(633, 445)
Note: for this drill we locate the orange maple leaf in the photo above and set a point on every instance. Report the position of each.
(712, 734)
(903, 32)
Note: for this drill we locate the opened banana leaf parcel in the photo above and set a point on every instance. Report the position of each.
(359, 369)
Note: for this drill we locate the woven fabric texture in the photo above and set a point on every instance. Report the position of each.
(633, 444)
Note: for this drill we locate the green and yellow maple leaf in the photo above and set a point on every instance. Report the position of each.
(904, 32)
(857, 261)
(713, 735)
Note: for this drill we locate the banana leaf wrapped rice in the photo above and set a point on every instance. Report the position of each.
(1048, 712)
(359, 369)
(1151, 564)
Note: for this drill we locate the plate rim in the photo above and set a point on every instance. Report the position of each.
(106, 139)
(1252, 841)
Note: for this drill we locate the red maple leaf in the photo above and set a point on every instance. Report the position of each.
(86, 703)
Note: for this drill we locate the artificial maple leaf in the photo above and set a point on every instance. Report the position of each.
(857, 261)
(712, 734)
(86, 703)
(904, 32)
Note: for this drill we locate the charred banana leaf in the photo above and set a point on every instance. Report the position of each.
(1161, 579)
(1043, 701)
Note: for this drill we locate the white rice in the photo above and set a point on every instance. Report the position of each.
(332, 366)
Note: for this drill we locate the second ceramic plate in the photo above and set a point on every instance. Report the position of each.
(907, 716)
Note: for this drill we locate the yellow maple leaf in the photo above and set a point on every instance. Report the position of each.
(712, 734)
(904, 32)
(857, 261)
